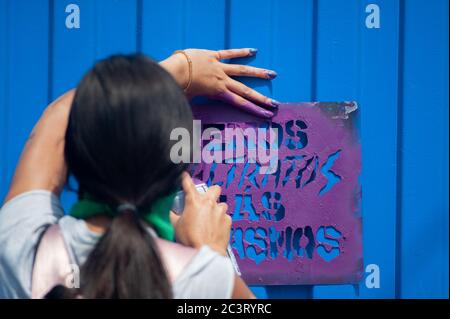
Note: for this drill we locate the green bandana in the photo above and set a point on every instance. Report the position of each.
(157, 216)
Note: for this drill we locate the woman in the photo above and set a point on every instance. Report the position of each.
(113, 136)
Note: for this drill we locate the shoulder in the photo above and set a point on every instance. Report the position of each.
(207, 275)
(41, 202)
(23, 220)
(26, 216)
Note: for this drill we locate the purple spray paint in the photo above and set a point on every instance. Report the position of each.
(301, 223)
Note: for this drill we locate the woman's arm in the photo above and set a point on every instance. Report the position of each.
(241, 290)
(42, 165)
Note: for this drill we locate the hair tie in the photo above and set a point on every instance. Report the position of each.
(126, 207)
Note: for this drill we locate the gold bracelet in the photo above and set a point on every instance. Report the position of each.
(190, 68)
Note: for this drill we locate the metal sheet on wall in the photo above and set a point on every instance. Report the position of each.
(296, 209)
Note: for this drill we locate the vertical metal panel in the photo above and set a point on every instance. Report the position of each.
(424, 150)
(4, 46)
(364, 63)
(106, 27)
(205, 24)
(116, 27)
(250, 26)
(27, 71)
(253, 24)
(336, 76)
(287, 16)
(163, 27)
(337, 50)
(292, 45)
(180, 24)
(73, 52)
(378, 97)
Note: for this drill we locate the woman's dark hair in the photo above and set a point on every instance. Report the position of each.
(117, 147)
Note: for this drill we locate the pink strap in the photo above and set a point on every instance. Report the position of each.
(175, 257)
(52, 262)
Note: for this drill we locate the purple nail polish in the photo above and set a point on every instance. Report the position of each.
(271, 75)
(267, 114)
(256, 110)
(274, 103)
(252, 51)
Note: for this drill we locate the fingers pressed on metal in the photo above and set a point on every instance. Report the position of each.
(235, 53)
(243, 104)
(250, 94)
(250, 71)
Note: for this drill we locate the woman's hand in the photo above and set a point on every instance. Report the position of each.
(212, 78)
(204, 221)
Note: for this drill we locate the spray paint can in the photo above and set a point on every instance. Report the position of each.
(178, 207)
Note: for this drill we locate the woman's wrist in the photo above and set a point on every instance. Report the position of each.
(177, 66)
(215, 247)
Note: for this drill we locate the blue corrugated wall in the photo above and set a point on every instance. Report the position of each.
(322, 50)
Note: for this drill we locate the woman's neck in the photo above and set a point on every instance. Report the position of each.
(98, 224)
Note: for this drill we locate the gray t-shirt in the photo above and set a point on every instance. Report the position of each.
(24, 218)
